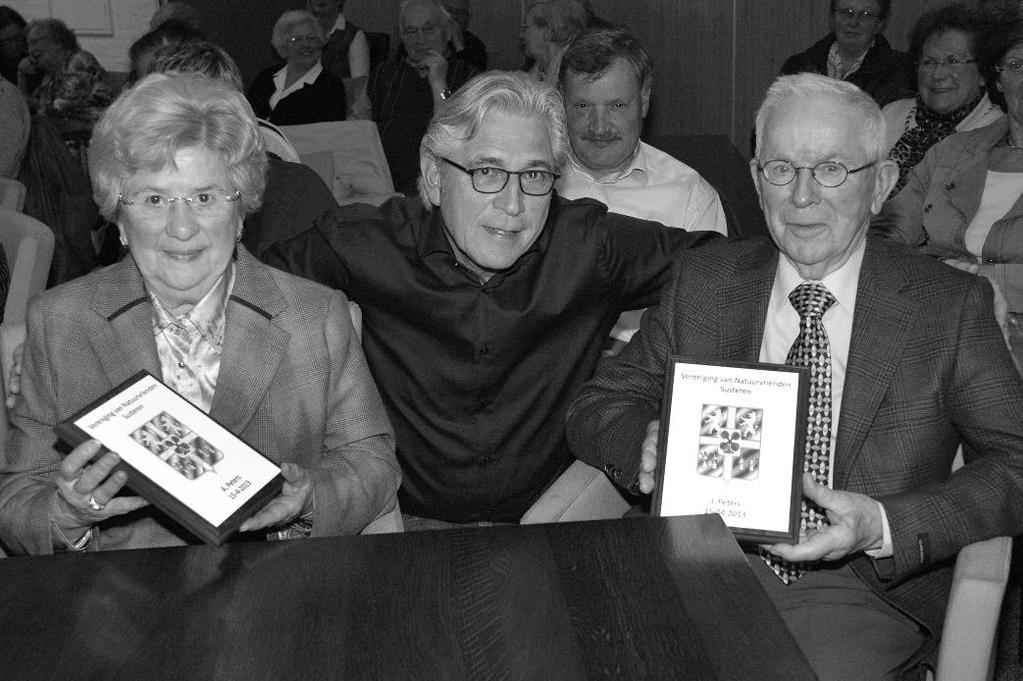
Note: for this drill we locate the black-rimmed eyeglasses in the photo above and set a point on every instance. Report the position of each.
(825, 173)
(489, 180)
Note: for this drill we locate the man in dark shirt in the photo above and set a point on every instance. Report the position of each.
(404, 90)
(486, 303)
(467, 45)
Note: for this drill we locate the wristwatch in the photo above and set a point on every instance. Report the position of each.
(445, 93)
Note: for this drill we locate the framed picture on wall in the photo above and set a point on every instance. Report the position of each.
(85, 17)
(731, 442)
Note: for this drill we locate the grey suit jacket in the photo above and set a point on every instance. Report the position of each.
(927, 369)
(293, 383)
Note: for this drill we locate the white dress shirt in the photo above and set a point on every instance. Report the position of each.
(654, 186)
(281, 91)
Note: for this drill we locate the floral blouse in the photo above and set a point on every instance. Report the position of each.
(79, 93)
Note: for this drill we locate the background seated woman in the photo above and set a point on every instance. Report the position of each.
(951, 94)
(303, 91)
(177, 162)
(856, 51)
(964, 202)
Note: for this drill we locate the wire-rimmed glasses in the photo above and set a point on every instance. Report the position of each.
(826, 173)
(204, 203)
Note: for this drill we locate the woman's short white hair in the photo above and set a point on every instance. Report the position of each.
(165, 113)
(812, 86)
(289, 20)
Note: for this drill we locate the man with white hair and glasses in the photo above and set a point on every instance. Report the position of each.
(906, 363)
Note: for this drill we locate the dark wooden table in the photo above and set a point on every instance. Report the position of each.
(638, 598)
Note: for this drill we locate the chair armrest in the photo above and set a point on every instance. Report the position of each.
(580, 493)
(971, 620)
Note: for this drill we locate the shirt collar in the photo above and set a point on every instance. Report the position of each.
(208, 316)
(842, 282)
(636, 169)
(308, 78)
(339, 24)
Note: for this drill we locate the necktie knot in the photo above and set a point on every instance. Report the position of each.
(811, 300)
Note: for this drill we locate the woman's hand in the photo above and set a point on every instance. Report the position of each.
(86, 492)
(294, 501)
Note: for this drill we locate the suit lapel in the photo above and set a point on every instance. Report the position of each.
(880, 325)
(253, 344)
(124, 344)
(743, 307)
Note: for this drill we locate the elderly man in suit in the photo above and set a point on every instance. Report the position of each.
(910, 363)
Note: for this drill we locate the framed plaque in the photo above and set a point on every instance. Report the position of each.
(731, 442)
(177, 457)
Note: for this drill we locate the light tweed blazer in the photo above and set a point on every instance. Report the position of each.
(293, 383)
(928, 367)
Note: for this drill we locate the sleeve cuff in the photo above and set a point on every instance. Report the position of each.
(885, 551)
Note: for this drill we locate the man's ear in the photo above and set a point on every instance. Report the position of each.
(754, 172)
(430, 169)
(645, 96)
(884, 181)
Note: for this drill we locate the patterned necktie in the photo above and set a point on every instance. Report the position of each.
(811, 349)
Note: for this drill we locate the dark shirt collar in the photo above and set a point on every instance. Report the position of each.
(434, 240)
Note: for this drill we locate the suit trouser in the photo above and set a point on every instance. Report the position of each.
(846, 631)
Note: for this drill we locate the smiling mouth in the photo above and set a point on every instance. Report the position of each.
(501, 233)
(183, 256)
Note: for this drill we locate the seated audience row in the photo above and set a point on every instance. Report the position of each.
(962, 203)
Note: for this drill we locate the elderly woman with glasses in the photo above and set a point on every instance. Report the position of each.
(302, 91)
(60, 79)
(177, 162)
(963, 203)
(951, 94)
(856, 51)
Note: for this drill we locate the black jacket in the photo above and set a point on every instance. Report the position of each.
(885, 74)
(322, 100)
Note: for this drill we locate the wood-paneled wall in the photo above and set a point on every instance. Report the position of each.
(714, 58)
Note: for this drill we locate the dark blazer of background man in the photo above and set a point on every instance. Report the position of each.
(927, 370)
